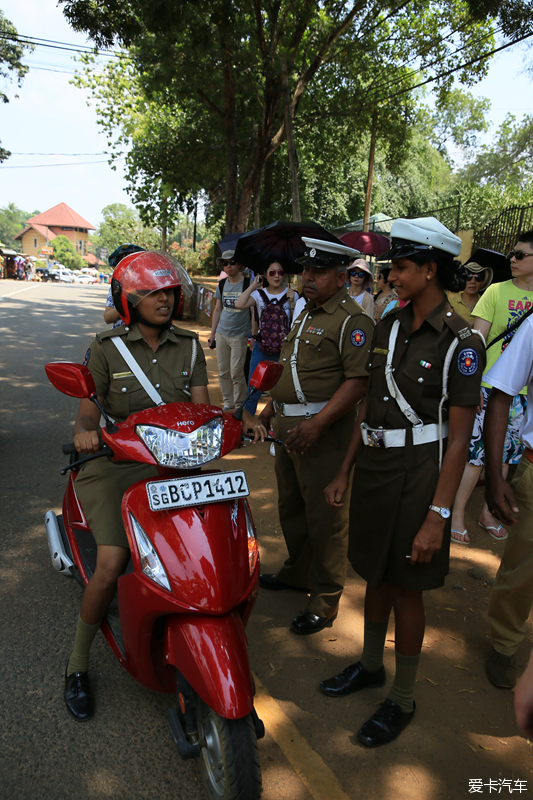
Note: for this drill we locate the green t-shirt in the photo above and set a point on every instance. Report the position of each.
(501, 305)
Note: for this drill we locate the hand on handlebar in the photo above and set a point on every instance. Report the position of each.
(87, 442)
(255, 429)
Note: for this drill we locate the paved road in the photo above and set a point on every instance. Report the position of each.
(126, 751)
(464, 729)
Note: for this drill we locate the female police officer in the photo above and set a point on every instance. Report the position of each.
(425, 368)
(145, 288)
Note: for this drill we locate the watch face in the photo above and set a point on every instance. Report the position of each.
(445, 512)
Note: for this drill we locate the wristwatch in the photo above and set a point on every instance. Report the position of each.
(443, 511)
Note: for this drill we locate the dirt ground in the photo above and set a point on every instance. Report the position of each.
(464, 729)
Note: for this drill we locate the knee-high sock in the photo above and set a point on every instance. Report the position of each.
(374, 644)
(403, 688)
(79, 659)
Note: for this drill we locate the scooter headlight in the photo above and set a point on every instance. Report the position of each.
(176, 449)
(150, 563)
(253, 549)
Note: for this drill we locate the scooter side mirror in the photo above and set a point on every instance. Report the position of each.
(266, 375)
(72, 379)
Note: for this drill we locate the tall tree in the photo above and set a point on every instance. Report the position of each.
(508, 160)
(11, 67)
(13, 221)
(219, 60)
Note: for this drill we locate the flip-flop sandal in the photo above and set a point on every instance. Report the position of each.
(461, 533)
(490, 528)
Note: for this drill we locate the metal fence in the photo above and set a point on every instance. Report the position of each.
(502, 232)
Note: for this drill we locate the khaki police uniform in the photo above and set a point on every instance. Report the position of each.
(101, 484)
(333, 347)
(393, 487)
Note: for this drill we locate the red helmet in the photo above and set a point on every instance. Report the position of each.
(141, 274)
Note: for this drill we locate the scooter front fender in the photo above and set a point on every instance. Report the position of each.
(211, 654)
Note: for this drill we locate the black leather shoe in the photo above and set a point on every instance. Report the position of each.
(306, 622)
(385, 725)
(269, 581)
(352, 679)
(78, 696)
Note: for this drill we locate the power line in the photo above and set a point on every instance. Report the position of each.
(462, 66)
(58, 154)
(46, 69)
(68, 47)
(374, 88)
(69, 164)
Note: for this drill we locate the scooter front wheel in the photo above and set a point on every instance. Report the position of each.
(229, 757)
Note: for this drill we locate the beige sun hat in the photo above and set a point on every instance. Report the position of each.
(476, 269)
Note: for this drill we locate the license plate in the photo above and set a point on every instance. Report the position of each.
(197, 491)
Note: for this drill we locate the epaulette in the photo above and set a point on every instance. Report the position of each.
(458, 326)
(184, 332)
(107, 334)
(354, 309)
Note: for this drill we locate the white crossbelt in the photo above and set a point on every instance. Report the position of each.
(293, 359)
(148, 387)
(395, 437)
(299, 409)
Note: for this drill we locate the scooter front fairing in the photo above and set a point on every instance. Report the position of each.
(209, 555)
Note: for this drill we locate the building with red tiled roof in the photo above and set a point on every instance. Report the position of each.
(61, 220)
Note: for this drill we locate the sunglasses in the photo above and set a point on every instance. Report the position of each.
(228, 263)
(355, 274)
(518, 254)
(475, 276)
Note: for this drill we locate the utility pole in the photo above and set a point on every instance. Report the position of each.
(293, 158)
(370, 176)
(164, 225)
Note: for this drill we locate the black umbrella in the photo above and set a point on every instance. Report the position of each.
(281, 242)
(229, 241)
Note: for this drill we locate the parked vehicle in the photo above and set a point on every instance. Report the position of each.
(44, 273)
(62, 275)
(82, 277)
(177, 622)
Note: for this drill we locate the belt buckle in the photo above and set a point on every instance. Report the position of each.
(375, 438)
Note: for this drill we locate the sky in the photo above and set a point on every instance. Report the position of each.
(52, 117)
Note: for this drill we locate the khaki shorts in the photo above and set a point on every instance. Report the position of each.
(100, 486)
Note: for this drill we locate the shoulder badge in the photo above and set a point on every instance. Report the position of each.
(87, 357)
(358, 337)
(467, 361)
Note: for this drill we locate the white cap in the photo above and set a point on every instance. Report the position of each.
(409, 236)
(319, 253)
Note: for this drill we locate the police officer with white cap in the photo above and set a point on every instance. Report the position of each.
(324, 377)
(425, 370)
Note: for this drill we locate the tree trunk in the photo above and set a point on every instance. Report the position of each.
(230, 125)
(164, 237)
(293, 160)
(370, 176)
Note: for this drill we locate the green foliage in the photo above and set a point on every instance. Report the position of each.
(11, 66)
(65, 253)
(12, 222)
(11, 55)
(221, 59)
(121, 225)
(508, 161)
(458, 118)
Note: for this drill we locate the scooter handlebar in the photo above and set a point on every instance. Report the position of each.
(70, 447)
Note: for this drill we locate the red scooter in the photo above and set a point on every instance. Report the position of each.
(177, 621)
